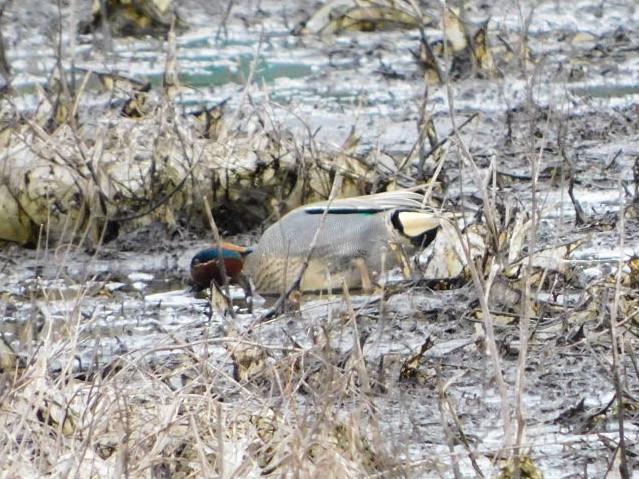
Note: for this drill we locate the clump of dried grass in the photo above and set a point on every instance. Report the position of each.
(186, 416)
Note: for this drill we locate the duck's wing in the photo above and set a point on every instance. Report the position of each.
(369, 204)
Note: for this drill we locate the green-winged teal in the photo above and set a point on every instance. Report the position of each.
(359, 237)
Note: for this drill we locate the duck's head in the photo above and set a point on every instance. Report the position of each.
(205, 265)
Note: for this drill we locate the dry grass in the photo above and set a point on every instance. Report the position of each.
(404, 385)
(186, 413)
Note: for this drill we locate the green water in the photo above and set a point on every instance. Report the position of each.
(606, 91)
(265, 72)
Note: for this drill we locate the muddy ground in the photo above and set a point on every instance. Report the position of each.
(422, 392)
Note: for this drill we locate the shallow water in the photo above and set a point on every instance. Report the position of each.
(120, 304)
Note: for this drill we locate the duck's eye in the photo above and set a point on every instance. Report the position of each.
(195, 262)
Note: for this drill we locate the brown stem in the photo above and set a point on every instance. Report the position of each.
(275, 309)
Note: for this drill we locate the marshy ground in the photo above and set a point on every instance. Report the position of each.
(524, 361)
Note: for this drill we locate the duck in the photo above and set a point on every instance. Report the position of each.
(359, 239)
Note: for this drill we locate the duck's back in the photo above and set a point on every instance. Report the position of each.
(342, 238)
(354, 233)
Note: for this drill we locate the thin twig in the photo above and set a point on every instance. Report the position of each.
(360, 361)
(220, 256)
(337, 186)
(222, 30)
(482, 285)
(443, 141)
(624, 469)
(158, 203)
(442, 389)
(450, 438)
(581, 218)
(439, 144)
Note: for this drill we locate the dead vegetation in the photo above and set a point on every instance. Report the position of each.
(501, 358)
